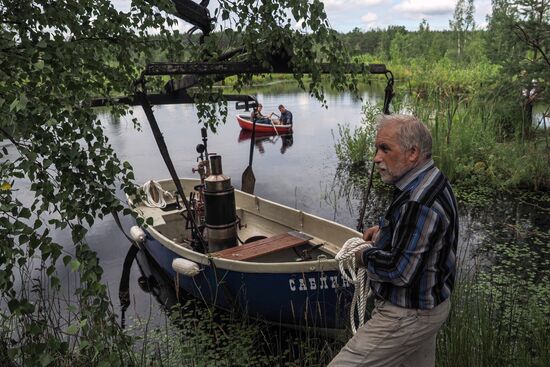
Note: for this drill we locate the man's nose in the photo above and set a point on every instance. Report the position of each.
(377, 157)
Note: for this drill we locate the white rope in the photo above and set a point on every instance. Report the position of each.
(347, 265)
(151, 187)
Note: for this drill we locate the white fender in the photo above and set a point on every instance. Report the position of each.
(185, 267)
(137, 234)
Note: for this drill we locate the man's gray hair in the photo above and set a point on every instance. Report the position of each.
(411, 132)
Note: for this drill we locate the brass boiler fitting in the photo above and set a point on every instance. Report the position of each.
(221, 216)
(203, 169)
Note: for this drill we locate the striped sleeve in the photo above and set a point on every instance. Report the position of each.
(415, 232)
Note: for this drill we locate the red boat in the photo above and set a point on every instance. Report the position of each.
(246, 124)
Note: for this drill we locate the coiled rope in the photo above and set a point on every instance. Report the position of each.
(152, 189)
(347, 264)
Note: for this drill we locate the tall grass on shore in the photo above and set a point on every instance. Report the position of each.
(57, 328)
(500, 314)
(482, 332)
(478, 127)
(196, 334)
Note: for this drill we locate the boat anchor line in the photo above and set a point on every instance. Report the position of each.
(347, 264)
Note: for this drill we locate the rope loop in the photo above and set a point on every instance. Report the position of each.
(347, 265)
(153, 189)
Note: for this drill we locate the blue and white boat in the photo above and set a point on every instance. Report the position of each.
(283, 272)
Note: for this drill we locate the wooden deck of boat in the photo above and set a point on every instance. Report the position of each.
(264, 246)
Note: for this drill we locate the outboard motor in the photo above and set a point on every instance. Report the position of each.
(219, 200)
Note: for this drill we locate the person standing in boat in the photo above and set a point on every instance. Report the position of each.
(412, 261)
(259, 117)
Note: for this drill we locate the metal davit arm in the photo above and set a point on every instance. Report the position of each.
(142, 97)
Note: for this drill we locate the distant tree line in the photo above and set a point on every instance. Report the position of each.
(516, 42)
(397, 44)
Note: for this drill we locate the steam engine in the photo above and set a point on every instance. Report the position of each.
(219, 203)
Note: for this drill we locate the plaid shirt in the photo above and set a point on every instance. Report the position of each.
(413, 261)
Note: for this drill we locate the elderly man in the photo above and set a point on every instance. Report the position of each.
(412, 262)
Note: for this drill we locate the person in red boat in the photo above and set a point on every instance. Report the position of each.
(286, 116)
(259, 117)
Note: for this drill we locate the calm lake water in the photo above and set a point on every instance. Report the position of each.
(298, 171)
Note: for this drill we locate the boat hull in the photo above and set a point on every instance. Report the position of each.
(246, 124)
(318, 299)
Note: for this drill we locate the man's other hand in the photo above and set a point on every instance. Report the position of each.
(371, 234)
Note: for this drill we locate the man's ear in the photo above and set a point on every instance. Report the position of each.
(414, 154)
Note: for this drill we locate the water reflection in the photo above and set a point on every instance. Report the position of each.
(348, 187)
(151, 280)
(285, 140)
(124, 286)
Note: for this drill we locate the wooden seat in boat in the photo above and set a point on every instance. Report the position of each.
(264, 246)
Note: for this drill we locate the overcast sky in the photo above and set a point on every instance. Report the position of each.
(345, 15)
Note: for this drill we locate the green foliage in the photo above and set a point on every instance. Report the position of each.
(470, 142)
(55, 57)
(476, 114)
(201, 339)
(355, 149)
(518, 39)
(199, 336)
(462, 22)
(500, 313)
(478, 332)
(512, 56)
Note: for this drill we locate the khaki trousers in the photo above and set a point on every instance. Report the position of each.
(395, 336)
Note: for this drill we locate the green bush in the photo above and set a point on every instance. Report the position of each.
(355, 149)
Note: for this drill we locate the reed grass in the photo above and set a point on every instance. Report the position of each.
(467, 151)
(482, 332)
(476, 120)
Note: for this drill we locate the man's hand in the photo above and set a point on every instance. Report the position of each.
(371, 234)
